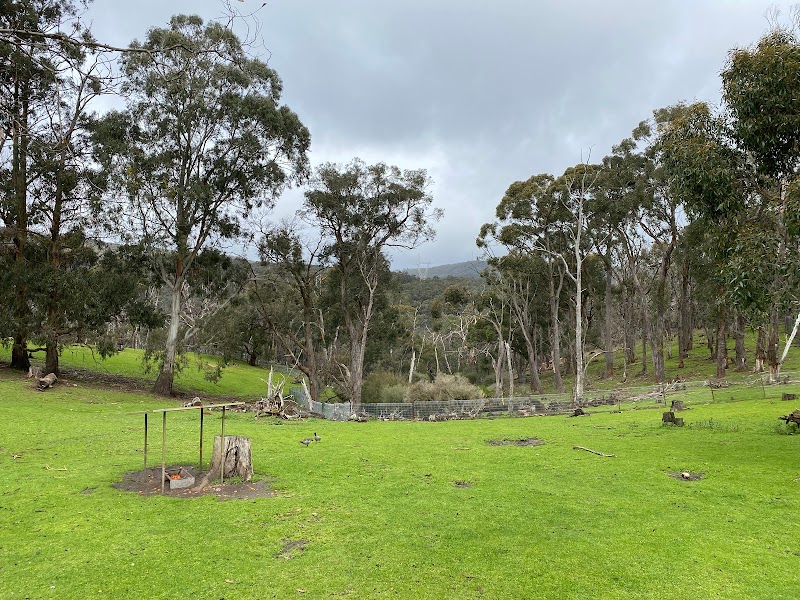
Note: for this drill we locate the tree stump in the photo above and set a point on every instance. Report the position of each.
(669, 417)
(789, 397)
(677, 405)
(237, 458)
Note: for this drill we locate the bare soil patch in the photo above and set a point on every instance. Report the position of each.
(291, 547)
(531, 441)
(462, 484)
(148, 483)
(686, 475)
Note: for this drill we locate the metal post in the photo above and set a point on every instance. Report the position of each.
(222, 453)
(163, 449)
(145, 441)
(201, 438)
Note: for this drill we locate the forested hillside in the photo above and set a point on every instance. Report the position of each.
(119, 228)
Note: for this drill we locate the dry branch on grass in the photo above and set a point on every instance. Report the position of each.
(594, 452)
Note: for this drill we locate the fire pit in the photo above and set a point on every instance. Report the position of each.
(178, 478)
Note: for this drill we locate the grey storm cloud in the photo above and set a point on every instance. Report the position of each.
(479, 93)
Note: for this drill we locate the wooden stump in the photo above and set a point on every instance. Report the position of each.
(669, 417)
(789, 397)
(237, 458)
(677, 405)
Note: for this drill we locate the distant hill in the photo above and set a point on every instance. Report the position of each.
(470, 269)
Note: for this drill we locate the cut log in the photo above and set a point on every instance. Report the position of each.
(789, 397)
(47, 381)
(236, 459)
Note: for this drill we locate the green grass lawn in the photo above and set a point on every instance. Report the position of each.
(698, 366)
(239, 380)
(380, 513)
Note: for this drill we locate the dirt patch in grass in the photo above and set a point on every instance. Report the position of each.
(148, 483)
(462, 484)
(291, 547)
(531, 441)
(686, 475)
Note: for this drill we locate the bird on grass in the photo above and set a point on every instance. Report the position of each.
(316, 437)
(306, 441)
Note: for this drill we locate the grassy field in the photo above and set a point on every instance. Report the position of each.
(403, 509)
(239, 380)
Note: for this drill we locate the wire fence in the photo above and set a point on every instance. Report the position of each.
(555, 404)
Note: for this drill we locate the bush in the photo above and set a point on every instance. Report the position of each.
(395, 393)
(446, 387)
(378, 383)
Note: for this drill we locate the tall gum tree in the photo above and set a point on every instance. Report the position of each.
(203, 142)
(361, 211)
(761, 89)
(29, 63)
(287, 298)
(527, 216)
(713, 177)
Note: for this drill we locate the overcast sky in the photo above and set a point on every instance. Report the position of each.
(480, 94)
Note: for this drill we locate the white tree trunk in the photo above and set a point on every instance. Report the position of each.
(166, 375)
(510, 371)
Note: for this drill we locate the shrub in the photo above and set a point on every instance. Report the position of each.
(376, 384)
(395, 393)
(446, 387)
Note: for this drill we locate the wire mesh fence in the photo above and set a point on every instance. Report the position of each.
(703, 391)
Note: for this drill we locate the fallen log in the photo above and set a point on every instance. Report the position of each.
(594, 452)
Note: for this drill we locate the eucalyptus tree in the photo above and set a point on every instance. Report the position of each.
(203, 142)
(33, 66)
(528, 216)
(549, 216)
(516, 276)
(361, 211)
(576, 191)
(620, 192)
(714, 179)
(656, 216)
(287, 297)
(761, 90)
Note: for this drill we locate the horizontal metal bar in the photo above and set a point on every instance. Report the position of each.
(165, 410)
